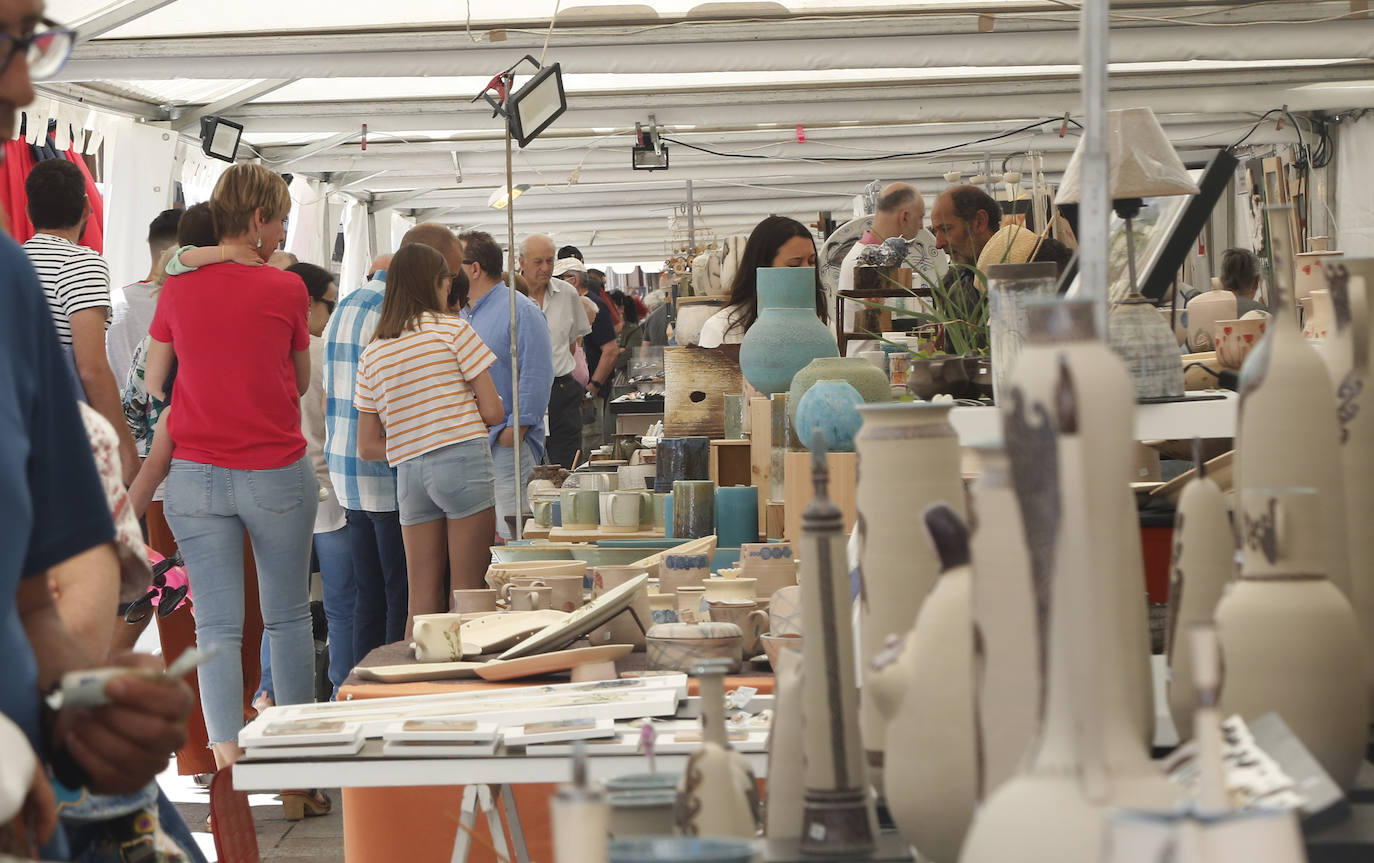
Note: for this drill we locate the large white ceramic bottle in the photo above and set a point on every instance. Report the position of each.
(897, 563)
(1068, 432)
(924, 686)
(1287, 432)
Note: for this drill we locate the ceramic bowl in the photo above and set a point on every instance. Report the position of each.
(785, 612)
(680, 849)
(773, 645)
(680, 646)
(500, 573)
(729, 572)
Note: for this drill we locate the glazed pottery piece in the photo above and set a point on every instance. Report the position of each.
(1009, 287)
(774, 646)
(719, 795)
(737, 516)
(729, 589)
(1203, 561)
(629, 626)
(643, 804)
(543, 512)
(1147, 346)
(878, 359)
(967, 377)
(1288, 432)
(837, 819)
(588, 617)
(663, 607)
(471, 601)
(897, 563)
(734, 416)
(637, 477)
(786, 738)
(923, 687)
(692, 316)
(742, 613)
(681, 458)
(1006, 606)
(867, 380)
(1322, 318)
(624, 511)
(764, 554)
(683, 646)
(1068, 428)
(1347, 359)
(500, 573)
(691, 604)
(680, 849)
(499, 631)
(785, 611)
(831, 408)
(565, 590)
(625, 446)
(529, 597)
(682, 570)
(1235, 339)
(694, 508)
(1204, 311)
(1307, 275)
(437, 639)
(787, 334)
(581, 508)
(772, 578)
(652, 511)
(1313, 676)
(553, 662)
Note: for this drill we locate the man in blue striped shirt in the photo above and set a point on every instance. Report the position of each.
(366, 489)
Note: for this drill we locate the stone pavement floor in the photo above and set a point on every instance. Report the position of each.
(313, 839)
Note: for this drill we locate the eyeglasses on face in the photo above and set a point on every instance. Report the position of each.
(47, 49)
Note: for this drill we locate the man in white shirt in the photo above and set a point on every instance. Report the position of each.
(568, 323)
(76, 281)
(132, 306)
(901, 213)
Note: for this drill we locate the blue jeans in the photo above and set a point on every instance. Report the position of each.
(503, 462)
(208, 508)
(379, 573)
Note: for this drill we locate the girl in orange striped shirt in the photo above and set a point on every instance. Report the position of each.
(425, 401)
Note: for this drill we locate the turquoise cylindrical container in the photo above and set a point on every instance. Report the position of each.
(737, 516)
(787, 334)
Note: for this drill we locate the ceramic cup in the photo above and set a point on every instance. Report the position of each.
(694, 508)
(742, 613)
(624, 511)
(663, 607)
(682, 570)
(566, 589)
(556, 513)
(531, 598)
(477, 600)
(543, 512)
(436, 637)
(1235, 339)
(652, 511)
(690, 604)
(737, 515)
(581, 507)
(681, 458)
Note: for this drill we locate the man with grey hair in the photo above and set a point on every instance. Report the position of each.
(562, 308)
(901, 213)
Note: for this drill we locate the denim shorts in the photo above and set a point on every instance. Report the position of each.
(455, 481)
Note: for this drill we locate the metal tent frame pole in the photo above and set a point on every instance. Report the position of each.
(517, 531)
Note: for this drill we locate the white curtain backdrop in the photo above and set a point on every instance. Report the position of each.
(357, 247)
(308, 234)
(399, 225)
(138, 186)
(1355, 179)
(199, 174)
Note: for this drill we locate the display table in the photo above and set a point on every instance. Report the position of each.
(408, 808)
(1201, 414)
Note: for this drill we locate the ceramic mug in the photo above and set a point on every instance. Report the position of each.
(676, 571)
(531, 598)
(581, 507)
(742, 613)
(476, 600)
(1235, 339)
(652, 510)
(566, 589)
(624, 510)
(543, 512)
(436, 637)
(663, 607)
(691, 603)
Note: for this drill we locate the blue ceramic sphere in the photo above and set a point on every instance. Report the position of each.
(787, 334)
(832, 407)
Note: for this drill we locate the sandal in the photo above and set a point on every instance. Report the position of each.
(305, 803)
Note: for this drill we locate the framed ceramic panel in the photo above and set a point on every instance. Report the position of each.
(440, 749)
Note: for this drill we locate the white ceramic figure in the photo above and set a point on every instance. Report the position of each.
(718, 794)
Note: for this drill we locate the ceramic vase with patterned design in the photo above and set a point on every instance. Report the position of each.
(787, 334)
(1289, 637)
(923, 685)
(897, 563)
(1347, 358)
(1288, 434)
(1068, 424)
(1204, 310)
(718, 795)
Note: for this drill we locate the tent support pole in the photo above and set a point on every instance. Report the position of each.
(518, 530)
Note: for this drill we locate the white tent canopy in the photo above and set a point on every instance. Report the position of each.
(802, 102)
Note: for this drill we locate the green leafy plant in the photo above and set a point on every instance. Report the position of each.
(957, 318)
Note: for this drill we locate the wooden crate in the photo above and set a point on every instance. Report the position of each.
(731, 464)
(798, 490)
(696, 381)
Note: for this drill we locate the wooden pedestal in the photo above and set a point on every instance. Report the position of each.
(798, 490)
(731, 464)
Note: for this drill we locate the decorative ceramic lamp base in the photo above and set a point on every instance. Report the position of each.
(836, 823)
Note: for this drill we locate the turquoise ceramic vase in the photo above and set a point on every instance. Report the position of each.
(833, 408)
(787, 334)
(858, 372)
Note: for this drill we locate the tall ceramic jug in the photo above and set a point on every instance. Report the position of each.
(897, 563)
(1068, 430)
(1005, 601)
(1203, 561)
(1347, 357)
(1287, 431)
(925, 688)
(718, 795)
(787, 334)
(1290, 638)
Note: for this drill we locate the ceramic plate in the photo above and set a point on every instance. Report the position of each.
(836, 246)
(548, 663)
(577, 624)
(418, 672)
(499, 631)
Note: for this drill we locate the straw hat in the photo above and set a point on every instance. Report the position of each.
(1012, 244)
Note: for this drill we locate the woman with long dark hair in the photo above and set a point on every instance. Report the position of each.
(777, 241)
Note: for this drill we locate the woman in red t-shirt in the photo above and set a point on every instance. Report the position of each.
(241, 342)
